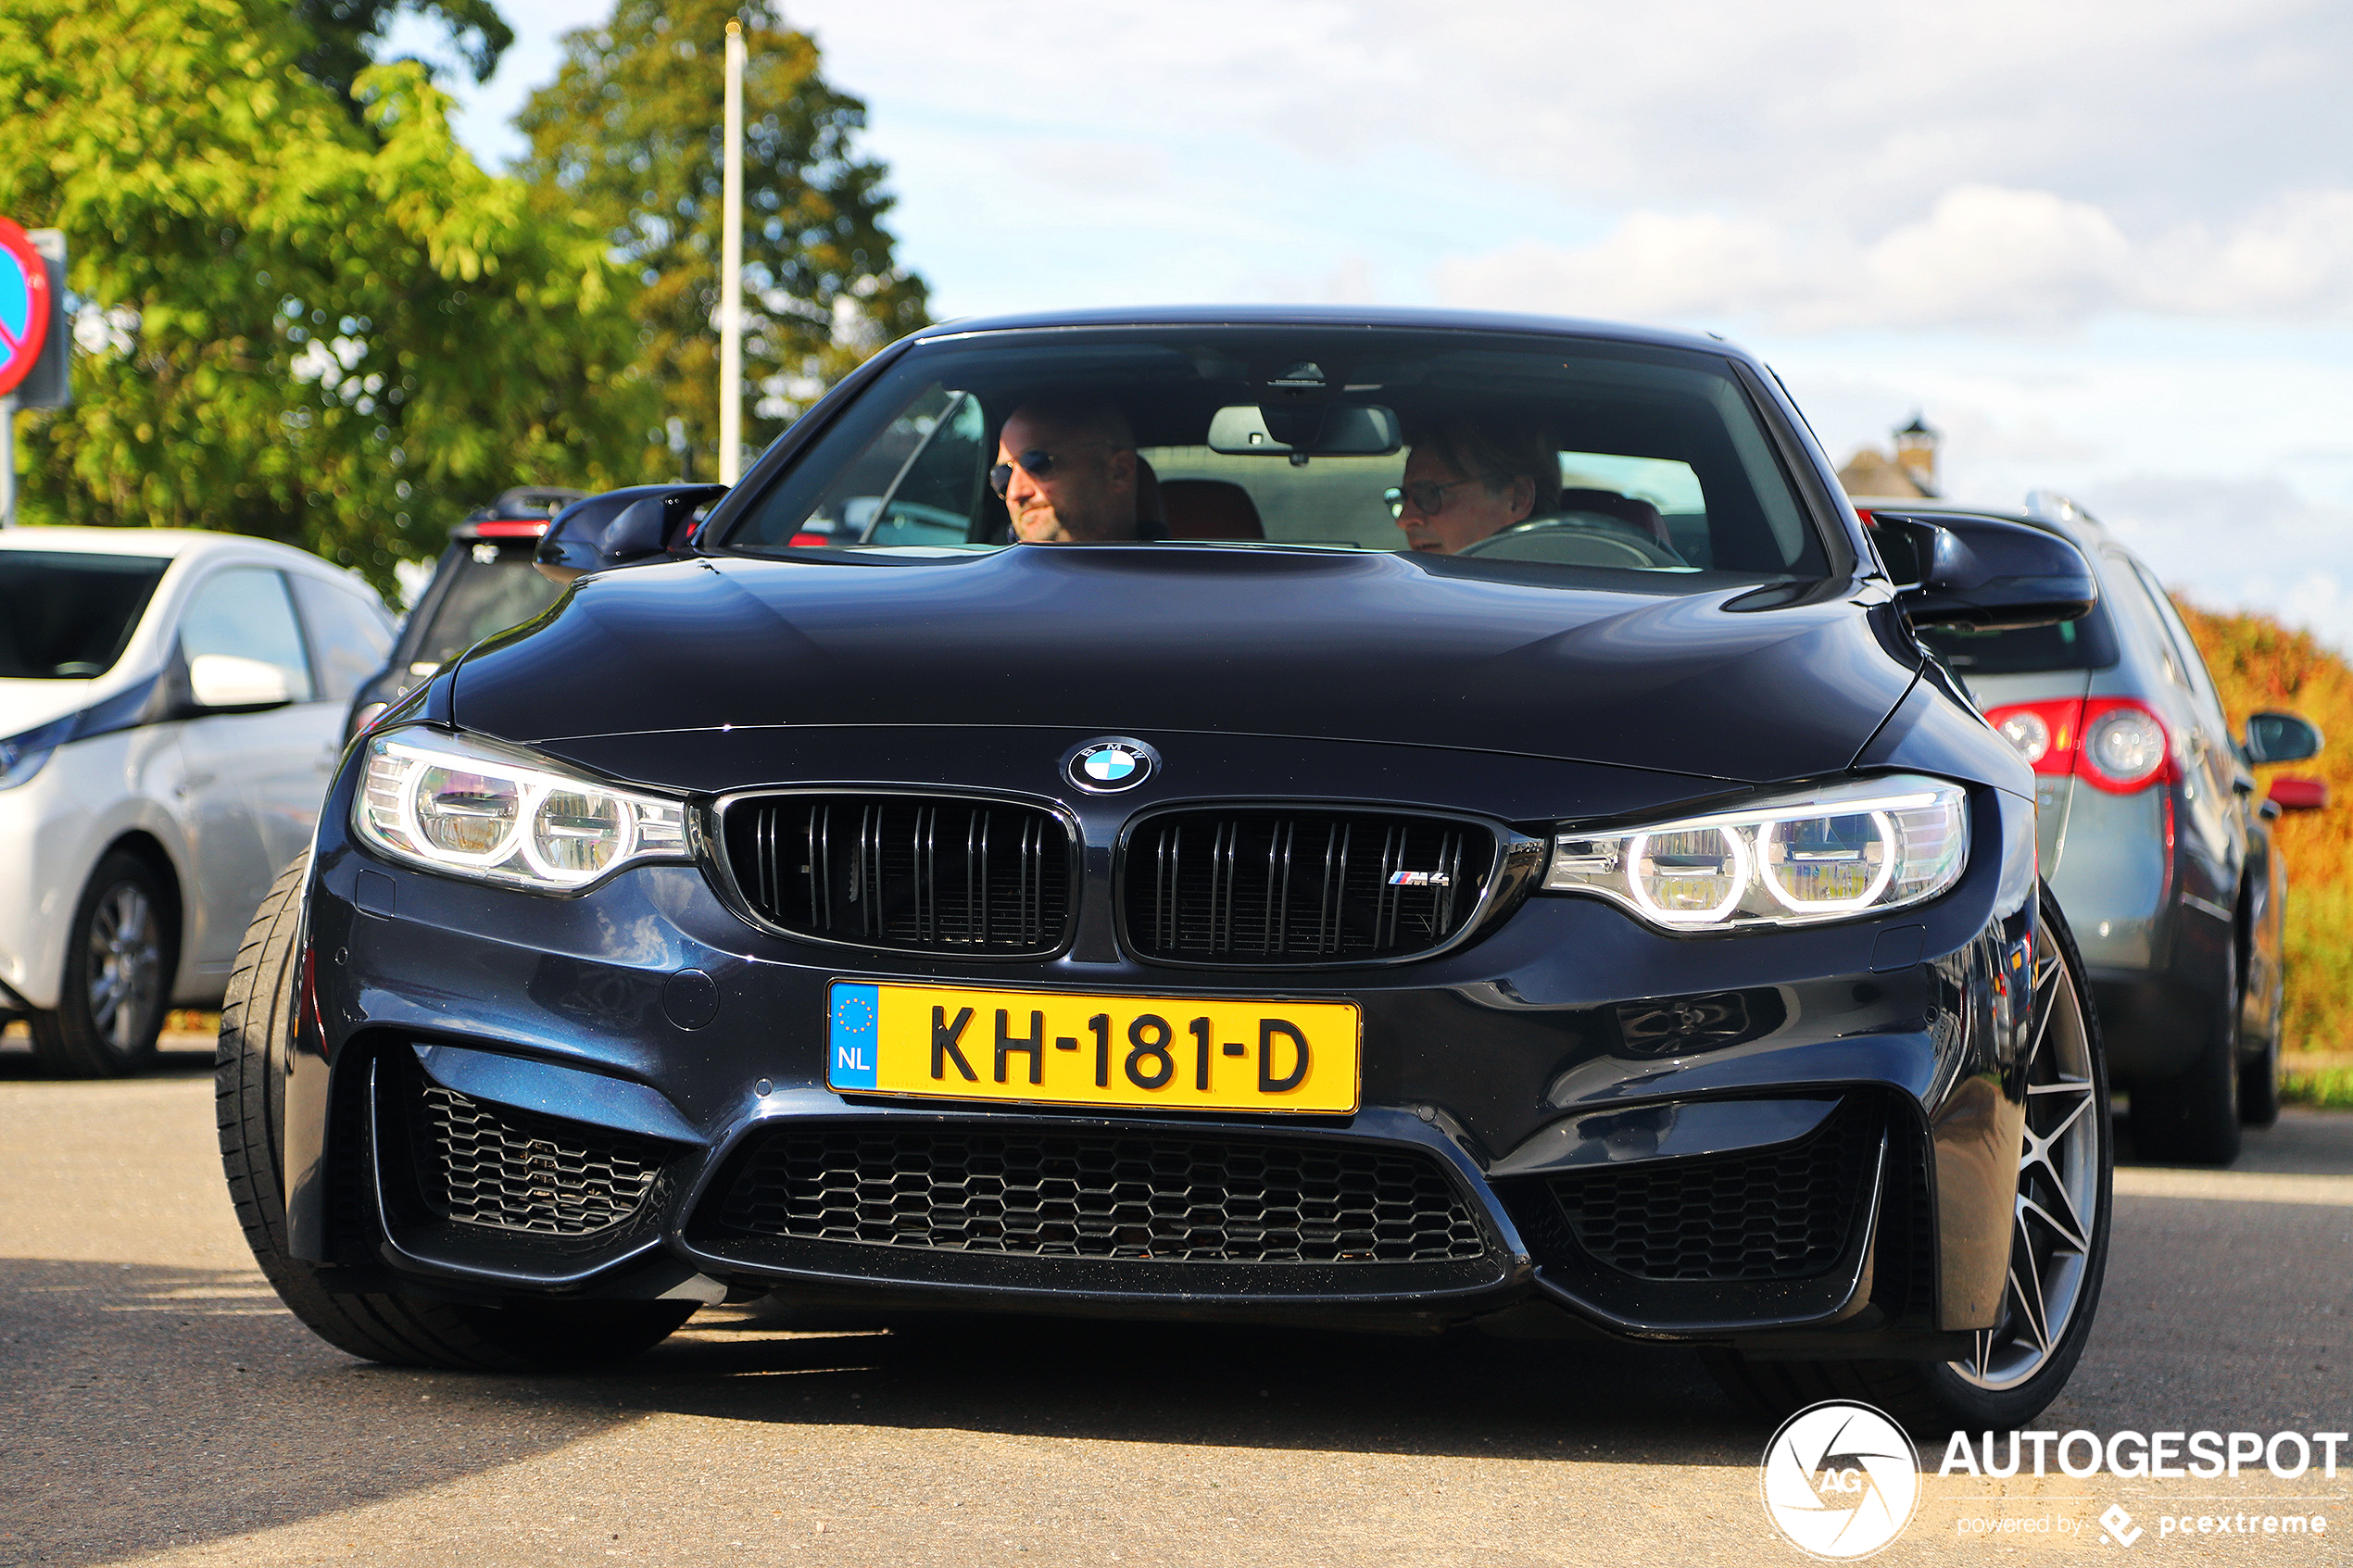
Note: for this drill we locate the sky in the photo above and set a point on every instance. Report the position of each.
(2105, 248)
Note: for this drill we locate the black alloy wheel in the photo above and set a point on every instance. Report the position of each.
(120, 956)
(256, 1030)
(2058, 1242)
(2192, 1117)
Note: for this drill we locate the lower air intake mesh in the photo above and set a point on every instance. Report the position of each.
(1119, 1196)
(1782, 1214)
(482, 1164)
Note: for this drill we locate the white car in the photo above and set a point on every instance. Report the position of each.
(172, 708)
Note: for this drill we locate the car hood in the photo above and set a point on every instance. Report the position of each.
(1725, 683)
(26, 705)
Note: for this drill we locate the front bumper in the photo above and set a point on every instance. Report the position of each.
(640, 1047)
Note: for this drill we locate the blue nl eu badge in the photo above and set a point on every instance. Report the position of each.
(850, 1059)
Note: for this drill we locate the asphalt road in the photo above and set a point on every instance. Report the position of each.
(156, 1406)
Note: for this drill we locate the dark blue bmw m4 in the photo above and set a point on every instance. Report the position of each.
(1264, 815)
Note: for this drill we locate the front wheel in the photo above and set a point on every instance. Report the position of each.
(120, 956)
(256, 1030)
(2058, 1243)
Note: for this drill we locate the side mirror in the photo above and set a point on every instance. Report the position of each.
(2281, 738)
(1983, 571)
(2291, 794)
(222, 683)
(620, 527)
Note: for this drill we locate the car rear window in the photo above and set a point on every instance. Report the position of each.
(486, 588)
(67, 616)
(1641, 461)
(2088, 642)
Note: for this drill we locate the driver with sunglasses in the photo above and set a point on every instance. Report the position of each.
(1467, 480)
(1068, 472)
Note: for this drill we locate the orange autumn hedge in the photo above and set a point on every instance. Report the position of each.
(2258, 664)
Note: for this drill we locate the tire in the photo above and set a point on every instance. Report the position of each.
(2192, 1117)
(2064, 1173)
(2259, 1079)
(120, 953)
(257, 1027)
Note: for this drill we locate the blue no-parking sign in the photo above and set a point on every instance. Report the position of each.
(24, 306)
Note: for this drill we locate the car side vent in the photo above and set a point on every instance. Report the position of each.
(915, 873)
(1281, 887)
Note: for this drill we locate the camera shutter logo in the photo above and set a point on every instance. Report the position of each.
(1840, 1480)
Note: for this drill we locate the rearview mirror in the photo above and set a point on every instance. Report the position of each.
(621, 527)
(1325, 430)
(2281, 738)
(222, 683)
(1983, 572)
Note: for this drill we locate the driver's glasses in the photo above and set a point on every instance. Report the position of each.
(1428, 495)
(1036, 461)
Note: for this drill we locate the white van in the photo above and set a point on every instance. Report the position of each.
(172, 708)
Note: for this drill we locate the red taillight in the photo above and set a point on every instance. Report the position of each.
(2044, 733)
(803, 541)
(2112, 743)
(512, 528)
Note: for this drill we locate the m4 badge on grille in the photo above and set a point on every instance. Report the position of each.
(1420, 879)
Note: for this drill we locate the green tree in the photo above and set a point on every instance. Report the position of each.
(344, 35)
(631, 133)
(333, 334)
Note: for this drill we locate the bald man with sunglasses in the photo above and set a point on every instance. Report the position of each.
(1069, 475)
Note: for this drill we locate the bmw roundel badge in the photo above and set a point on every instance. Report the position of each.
(1102, 766)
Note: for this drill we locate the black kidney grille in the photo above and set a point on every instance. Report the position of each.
(487, 1165)
(1261, 886)
(935, 874)
(1780, 1214)
(1116, 1196)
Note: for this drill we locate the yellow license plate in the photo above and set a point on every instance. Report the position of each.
(1058, 1048)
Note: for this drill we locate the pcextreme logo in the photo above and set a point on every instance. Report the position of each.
(1840, 1480)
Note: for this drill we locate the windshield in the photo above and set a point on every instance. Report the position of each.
(485, 588)
(66, 616)
(1649, 466)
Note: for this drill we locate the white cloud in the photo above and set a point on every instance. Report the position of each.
(1846, 108)
(1983, 255)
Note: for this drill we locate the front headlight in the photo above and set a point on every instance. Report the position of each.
(23, 755)
(475, 809)
(1836, 853)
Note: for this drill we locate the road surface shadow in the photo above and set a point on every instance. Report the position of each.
(1460, 1394)
(2304, 1142)
(144, 1407)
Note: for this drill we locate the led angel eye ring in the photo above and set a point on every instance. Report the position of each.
(1640, 843)
(1891, 853)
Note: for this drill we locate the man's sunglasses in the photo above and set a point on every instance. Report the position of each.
(1428, 497)
(1037, 462)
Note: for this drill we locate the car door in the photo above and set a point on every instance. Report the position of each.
(2213, 832)
(253, 780)
(349, 637)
